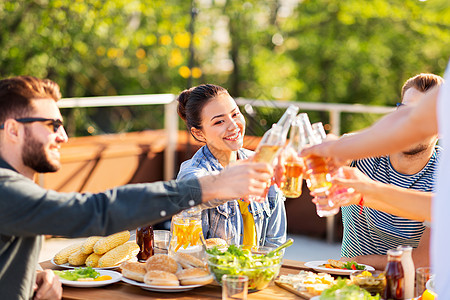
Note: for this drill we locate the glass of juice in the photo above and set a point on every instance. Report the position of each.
(292, 187)
(186, 228)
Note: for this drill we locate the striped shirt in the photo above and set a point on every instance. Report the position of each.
(374, 231)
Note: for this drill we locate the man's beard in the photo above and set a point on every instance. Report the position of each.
(33, 155)
(420, 148)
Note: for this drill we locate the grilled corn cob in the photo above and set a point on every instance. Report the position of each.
(92, 260)
(78, 258)
(62, 256)
(119, 254)
(109, 242)
(88, 246)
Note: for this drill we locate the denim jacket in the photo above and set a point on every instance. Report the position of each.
(225, 221)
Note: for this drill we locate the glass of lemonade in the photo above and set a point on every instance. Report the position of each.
(292, 187)
(186, 228)
(294, 167)
(318, 177)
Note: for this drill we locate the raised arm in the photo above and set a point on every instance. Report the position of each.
(392, 133)
(408, 204)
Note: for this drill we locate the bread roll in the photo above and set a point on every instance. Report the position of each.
(216, 242)
(188, 261)
(161, 262)
(133, 270)
(161, 278)
(194, 276)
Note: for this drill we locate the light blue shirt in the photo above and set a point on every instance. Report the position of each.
(225, 221)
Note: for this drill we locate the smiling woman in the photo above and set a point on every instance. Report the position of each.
(213, 118)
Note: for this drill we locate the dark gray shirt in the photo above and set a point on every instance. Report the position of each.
(28, 211)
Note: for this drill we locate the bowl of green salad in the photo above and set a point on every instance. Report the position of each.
(258, 263)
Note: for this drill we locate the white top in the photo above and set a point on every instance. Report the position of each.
(440, 242)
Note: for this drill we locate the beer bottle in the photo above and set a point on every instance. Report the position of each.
(275, 137)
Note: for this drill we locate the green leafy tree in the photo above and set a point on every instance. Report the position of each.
(362, 51)
(344, 51)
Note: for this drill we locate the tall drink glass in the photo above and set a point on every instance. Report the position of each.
(423, 274)
(294, 165)
(318, 176)
(337, 195)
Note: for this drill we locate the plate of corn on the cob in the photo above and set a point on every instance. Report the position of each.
(97, 252)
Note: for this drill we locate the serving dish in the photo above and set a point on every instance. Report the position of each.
(68, 266)
(259, 269)
(315, 265)
(115, 276)
(160, 288)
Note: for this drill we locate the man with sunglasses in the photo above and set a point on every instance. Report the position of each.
(31, 134)
(369, 233)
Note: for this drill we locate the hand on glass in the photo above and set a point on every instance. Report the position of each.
(344, 190)
(288, 155)
(324, 149)
(354, 178)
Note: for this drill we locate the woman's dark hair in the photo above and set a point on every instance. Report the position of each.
(192, 101)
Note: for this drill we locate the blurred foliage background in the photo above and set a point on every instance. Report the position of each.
(343, 51)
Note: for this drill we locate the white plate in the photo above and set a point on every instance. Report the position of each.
(160, 288)
(67, 266)
(316, 263)
(116, 276)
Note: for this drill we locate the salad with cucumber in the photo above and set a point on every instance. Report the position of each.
(259, 268)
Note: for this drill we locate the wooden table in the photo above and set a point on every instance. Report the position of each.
(122, 290)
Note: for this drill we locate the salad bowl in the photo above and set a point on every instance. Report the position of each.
(254, 262)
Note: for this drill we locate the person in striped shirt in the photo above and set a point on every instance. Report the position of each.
(369, 234)
(390, 134)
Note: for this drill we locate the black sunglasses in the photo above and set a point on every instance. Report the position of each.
(54, 122)
(398, 104)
